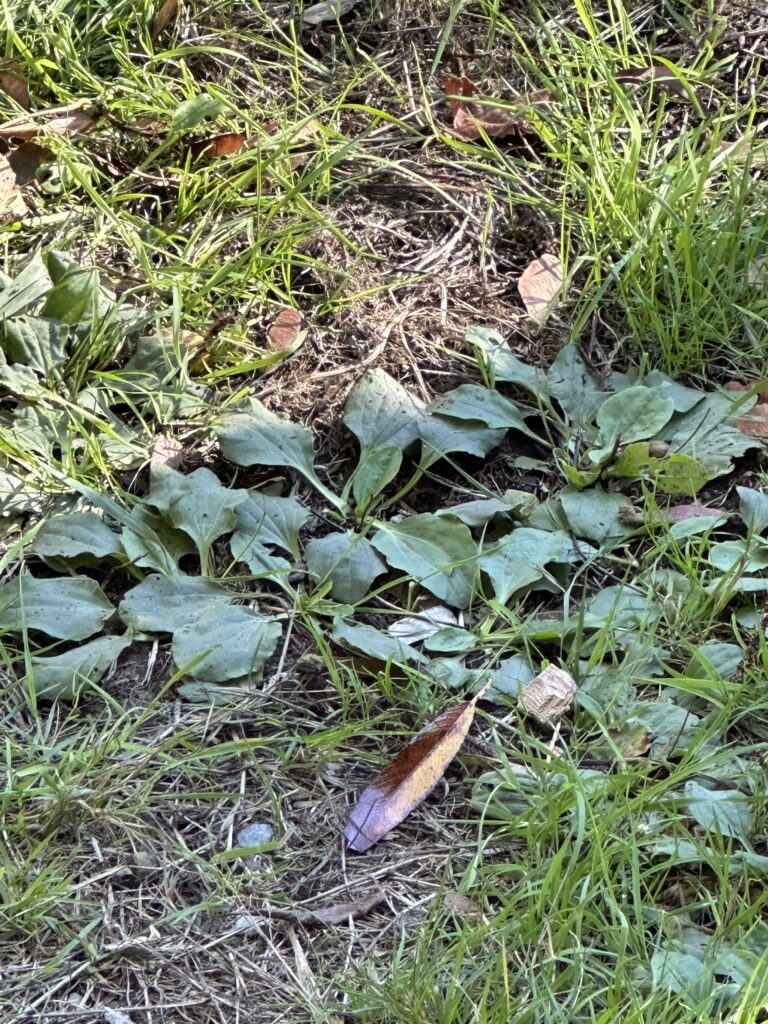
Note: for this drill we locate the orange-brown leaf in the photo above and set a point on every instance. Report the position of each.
(539, 284)
(408, 778)
(755, 422)
(26, 160)
(13, 83)
(457, 87)
(472, 118)
(164, 17)
(218, 146)
(285, 329)
(657, 75)
(64, 121)
(12, 205)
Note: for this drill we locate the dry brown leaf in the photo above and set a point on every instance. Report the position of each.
(163, 18)
(755, 422)
(472, 118)
(539, 285)
(657, 75)
(218, 146)
(337, 913)
(64, 121)
(762, 394)
(409, 777)
(13, 83)
(12, 205)
(549, 695)
(285, 329)
(678, 513)
(26, 160)
(757, 272)
(464, 908)
(166, 451)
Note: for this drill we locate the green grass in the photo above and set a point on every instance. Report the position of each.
(119, 809)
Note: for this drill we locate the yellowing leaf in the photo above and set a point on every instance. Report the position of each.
(409, 778)
(539, 285)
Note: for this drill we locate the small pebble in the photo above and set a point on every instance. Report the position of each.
(255, 834)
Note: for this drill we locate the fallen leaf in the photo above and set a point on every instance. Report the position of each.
(337, 913)
(327, 10)
(166, 452)
(734, 385)
(539, 284)
(409, 778)
(26, 160)
(464, 908)
(63, 121)
(218, 146)
(657, 75)
(12, 205)
(757, 272)
(163, 18)
(12, 82)
(755, 422)
(285, 329)
(678, 513)
(472, 118)
(549, 695)
(413, 628)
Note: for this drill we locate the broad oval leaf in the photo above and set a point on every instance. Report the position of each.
(67, 609)
(225, 643)
(409, 778)
(271, 519)
(348, 561)
(519, 558)
(502, 365)
(594, 514)
(257, 437)
(726, 811)
(372, 643)
(633, 415)
(474, 402)
(197, 503)
(75, 534)
(163, 604)
(438, 553)
(62, 675)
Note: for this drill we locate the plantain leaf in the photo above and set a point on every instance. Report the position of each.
(67, 609)
(225, 642)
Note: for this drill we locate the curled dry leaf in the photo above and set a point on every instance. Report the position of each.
(27, 159)
(657, 75)
(734, 385)
(12, 205)
(166, 451)
(63, 121)
(539, 284)
(218, 146)
(327, 10)
(163, 18)
(755, 422)
(12, 82)
(409, 778)
(337, 913)
(464, 908)
(679, 513)
(413, 628)
(474, 117)
(285, 329)
(549, 695)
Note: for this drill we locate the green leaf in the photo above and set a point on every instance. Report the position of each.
(67, 609)
(260, 560)
(681, 474)
(682, 973)
(633, 415)
(753, 509)
(453, 673)
(441, 435)
(150, 542)
(594, 514)
(450, 639)
(60, 676)
(683, 398)
(271, 519)
(749, 555)
(16, 495)
(715, 657)
(510, 676)
(706, 433)
(70, 299)
(193, 112)
(519, 558)
(75, 534)
(30, 342)
(163, 604)
(672, 727)
(473, 402)
(260, 438)
(224, 643)
(572, 384)
(385, 419)
(501, 365)
(373, 643)
(479, 512)
(348, 561)
(29, 286)
(724, 811)
(198, 504)
(438, 553)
